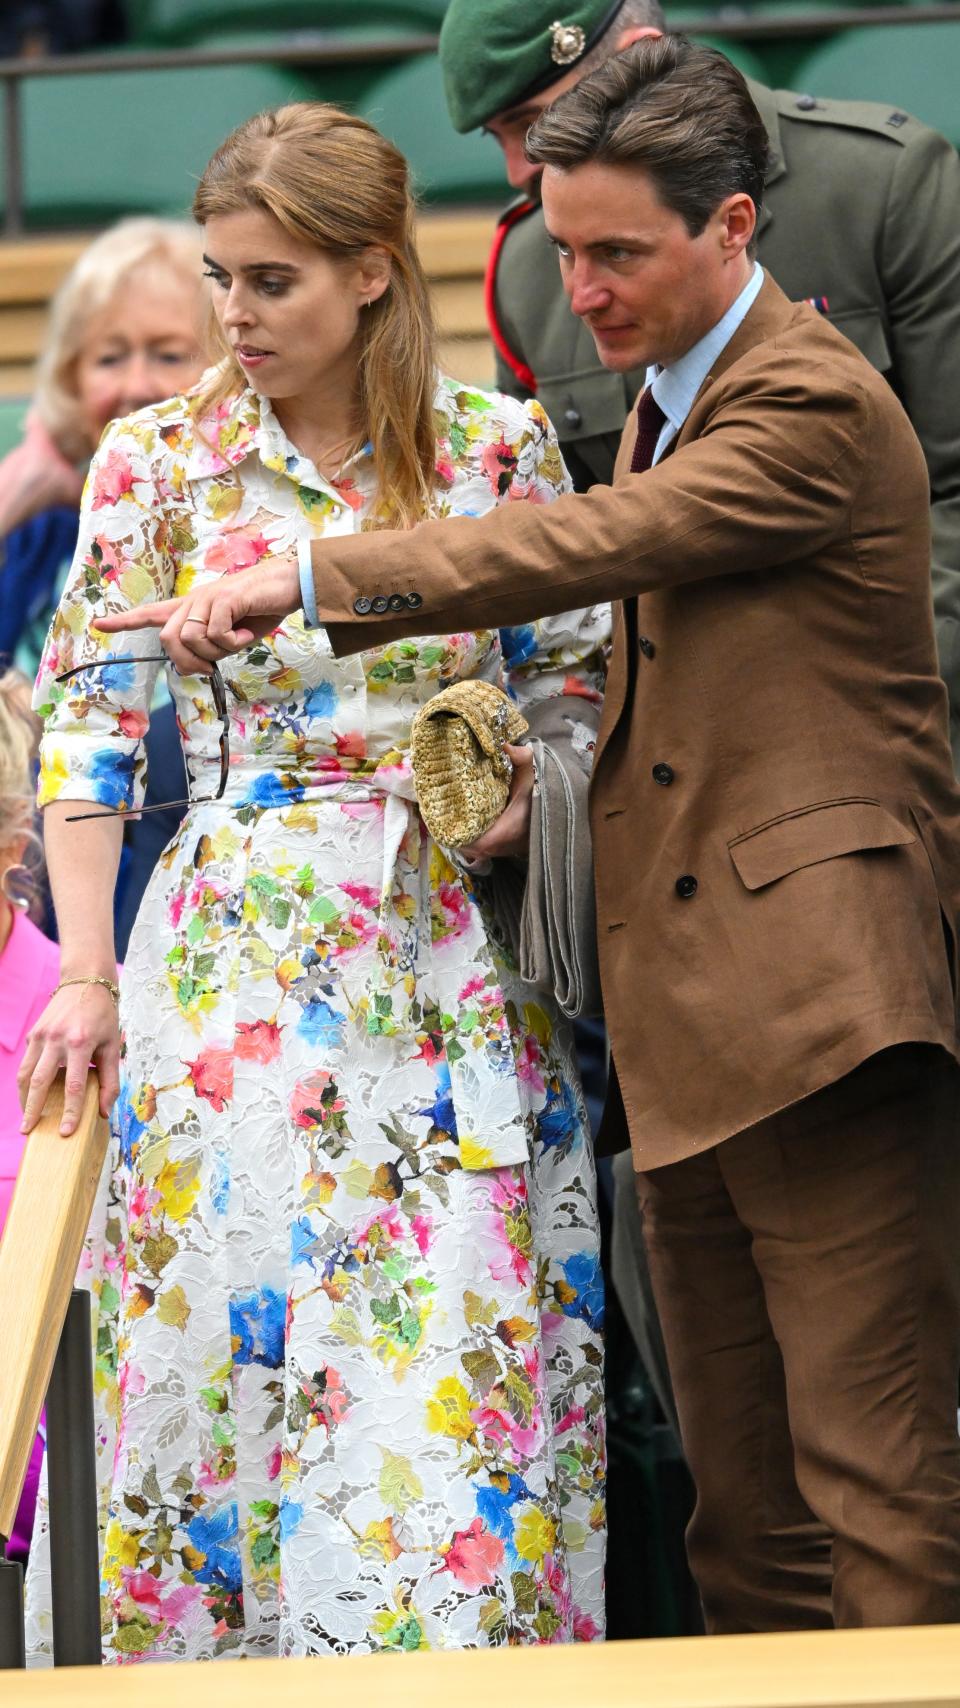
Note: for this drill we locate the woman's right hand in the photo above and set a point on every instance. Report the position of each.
(78, 1027)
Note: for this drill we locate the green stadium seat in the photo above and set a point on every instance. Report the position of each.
(12, 412)
(778, 59)
(183, 22)
(915, 67)
(408, 106)
(98, 147)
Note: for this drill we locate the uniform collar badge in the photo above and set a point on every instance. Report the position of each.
(567, 43)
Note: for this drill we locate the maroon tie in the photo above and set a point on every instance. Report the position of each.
(650, 420)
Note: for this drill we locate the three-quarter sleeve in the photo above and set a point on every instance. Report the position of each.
(94, 723)
(564, 654)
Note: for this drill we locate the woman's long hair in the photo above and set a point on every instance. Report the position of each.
(332, 180)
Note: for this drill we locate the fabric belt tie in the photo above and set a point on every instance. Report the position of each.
(650, 423)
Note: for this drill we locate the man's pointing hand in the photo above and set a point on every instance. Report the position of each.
(221, 617)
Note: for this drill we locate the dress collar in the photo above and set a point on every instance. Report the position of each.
(245, 425)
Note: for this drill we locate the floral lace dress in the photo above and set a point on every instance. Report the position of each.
(344, 1266)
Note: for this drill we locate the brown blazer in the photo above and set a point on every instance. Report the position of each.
(774, 809)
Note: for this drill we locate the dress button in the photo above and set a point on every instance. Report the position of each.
(380, 604)
(361, 605)
(806, 103)
(686, 886)
(572, 417)
(646, 646)
(397, 602)
(414, 601)
(663, 774)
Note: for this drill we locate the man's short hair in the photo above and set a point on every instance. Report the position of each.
(681, 112)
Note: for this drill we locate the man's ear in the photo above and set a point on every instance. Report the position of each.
(375, 271)
(739, 220)
(636, 33)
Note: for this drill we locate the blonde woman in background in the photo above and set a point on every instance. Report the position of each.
(347, 1281)
(29, 970)
(124, 331)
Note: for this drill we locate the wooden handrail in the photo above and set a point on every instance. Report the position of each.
(39, 1253)
(915, 1667)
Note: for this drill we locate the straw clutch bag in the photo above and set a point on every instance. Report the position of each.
(460, 769)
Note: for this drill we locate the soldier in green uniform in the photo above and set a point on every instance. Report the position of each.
(861, 217)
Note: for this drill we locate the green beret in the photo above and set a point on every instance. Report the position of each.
(497, 53)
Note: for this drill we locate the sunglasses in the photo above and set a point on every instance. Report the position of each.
(219, 692)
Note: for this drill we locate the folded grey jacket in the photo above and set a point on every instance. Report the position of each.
(547, 907)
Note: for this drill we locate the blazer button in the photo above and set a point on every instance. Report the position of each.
(414, 601)
(361, 605)
(380, 604)
(646, 646)
(397, 602)
(686, 886)
(663, 774)
(572, 416)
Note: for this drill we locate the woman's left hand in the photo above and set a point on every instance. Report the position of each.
(509, 835)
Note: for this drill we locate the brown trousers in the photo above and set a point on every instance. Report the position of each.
(807, 1274)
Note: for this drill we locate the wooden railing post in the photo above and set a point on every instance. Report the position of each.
(39, 1252)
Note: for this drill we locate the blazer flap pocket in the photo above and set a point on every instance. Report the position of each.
(864, 328)
(816, 833)
(585, 406)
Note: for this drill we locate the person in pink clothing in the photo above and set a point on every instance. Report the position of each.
(29, 971)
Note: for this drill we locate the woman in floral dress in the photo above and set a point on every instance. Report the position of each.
(345, 1262)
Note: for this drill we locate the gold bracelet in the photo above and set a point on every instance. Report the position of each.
(108, 984)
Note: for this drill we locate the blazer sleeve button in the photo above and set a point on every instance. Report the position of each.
(663, 774)
(414, 601)
(361, 605)
(397, 602)
(646, 646)
(686, 886)
(380, 604)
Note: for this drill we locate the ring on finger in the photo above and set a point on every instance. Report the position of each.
(197, 621)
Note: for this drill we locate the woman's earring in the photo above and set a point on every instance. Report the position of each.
(17, 886)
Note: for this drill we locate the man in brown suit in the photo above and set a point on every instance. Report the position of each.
(776, 828)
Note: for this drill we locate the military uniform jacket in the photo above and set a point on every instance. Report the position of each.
(862, 214)
(775, 818)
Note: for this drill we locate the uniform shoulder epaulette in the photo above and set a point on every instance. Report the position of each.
(517, 210)
(875, 116)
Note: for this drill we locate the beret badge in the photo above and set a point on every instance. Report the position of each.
(567, 44)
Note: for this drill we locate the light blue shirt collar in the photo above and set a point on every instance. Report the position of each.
(676, 387)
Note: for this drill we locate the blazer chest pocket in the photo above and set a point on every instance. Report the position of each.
(810, 834)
